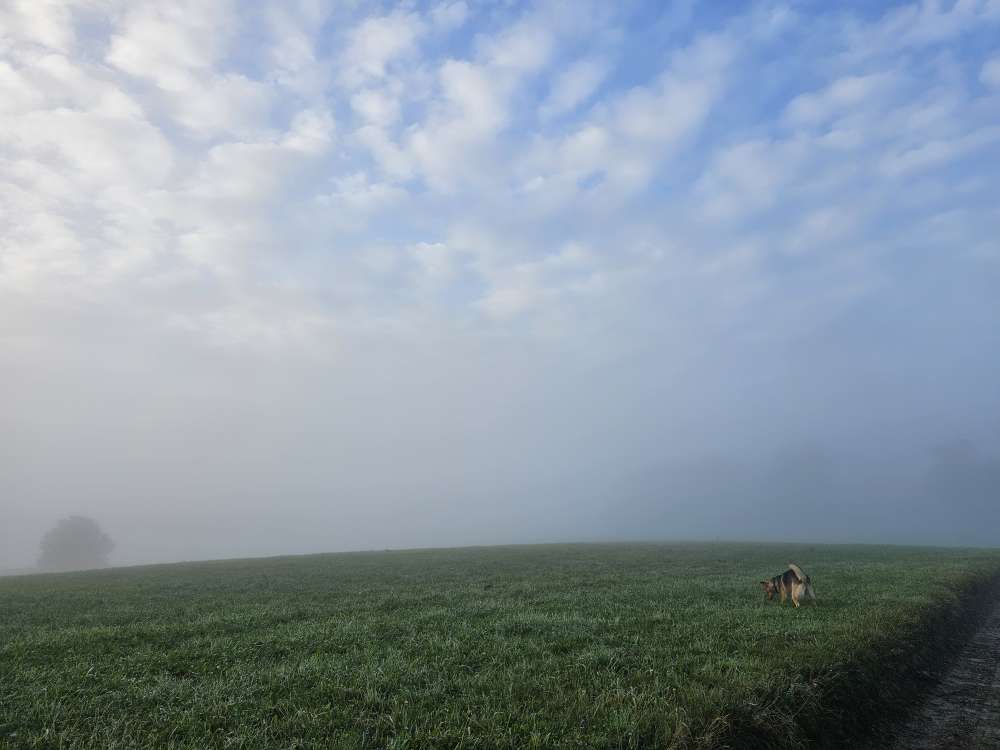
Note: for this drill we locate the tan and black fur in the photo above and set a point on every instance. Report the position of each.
(792, 583)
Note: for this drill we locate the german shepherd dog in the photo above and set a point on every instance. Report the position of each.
(793, 582)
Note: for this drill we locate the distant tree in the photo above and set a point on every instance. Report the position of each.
(75, 543)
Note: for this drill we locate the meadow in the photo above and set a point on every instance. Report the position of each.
(589, 646)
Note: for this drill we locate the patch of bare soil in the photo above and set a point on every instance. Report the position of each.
(963, 710)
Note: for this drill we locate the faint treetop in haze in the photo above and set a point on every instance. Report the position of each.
(75, 543)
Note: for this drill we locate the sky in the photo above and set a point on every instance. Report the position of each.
(314, 275)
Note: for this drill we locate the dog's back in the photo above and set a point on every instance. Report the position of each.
(793, 582)
(793, 568)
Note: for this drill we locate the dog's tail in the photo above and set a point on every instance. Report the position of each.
(803, 578)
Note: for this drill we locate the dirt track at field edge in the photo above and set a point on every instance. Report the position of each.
(962, 711)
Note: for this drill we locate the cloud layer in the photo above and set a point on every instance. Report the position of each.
(331, 275)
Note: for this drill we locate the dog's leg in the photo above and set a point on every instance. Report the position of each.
(796, 593)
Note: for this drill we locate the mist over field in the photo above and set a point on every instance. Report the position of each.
(317, 276)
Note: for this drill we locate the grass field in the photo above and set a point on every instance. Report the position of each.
(604, 646)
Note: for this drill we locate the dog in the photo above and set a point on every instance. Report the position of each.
(793, 582)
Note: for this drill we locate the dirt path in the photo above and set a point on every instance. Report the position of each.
(963, 711)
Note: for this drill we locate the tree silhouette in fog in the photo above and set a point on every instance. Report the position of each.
(75, 543)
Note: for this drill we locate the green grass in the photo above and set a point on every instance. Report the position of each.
(604, 646)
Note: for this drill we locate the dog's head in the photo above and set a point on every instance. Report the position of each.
(769, 589)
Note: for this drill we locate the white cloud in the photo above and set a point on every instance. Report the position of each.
(376, 43)
(747, 177)
(464, 112)
(172, 44)
(49, 81)
(90, 144)
(454, 141)
(627, 139)
(295, 30)
(48, 23)
(39, 246)
(587, 150)
(547, 286)
(241, 177)
(662, 113)
(509, 301)
(355, 198)
(179, 48)
(919, 24)
(438, 265)
(934, 153)
(234, 169)
(310, 132)
(821, 228)
(225, 104)
(573, 86)
(839, 99)
(525, 47)
(107, 198)
(449, 15)
(391, 158)
(376, 106)
(650, 119)
(989, 74)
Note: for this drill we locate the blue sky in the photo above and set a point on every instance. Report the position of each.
(606, 233)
